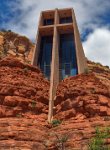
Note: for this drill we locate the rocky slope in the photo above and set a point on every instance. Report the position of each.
(21, 89)
(82, 104)
(87, 95)
(13, 44)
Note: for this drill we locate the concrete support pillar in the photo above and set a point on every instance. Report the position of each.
(54, 79)
(81, 60)
(36, 50)
(37, 45)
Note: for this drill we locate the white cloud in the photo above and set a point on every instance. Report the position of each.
(88, 14)
(97, 46)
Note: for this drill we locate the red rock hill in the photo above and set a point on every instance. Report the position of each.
(13, 44)
(23, 89)
(82, 104)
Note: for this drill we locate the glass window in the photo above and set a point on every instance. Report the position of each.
(44, 60)
(67, 55)
(66, 20)
(48, 22)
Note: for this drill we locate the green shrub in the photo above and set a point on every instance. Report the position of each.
(28, 61)
(55, 122)
(25, 70)
(93, 91)
(86, 71)
(97, 143)
(61, 141)
(9, 31)
(33, 104)
(2, 54)
(18, 115)
(107, 67)
(98, 64)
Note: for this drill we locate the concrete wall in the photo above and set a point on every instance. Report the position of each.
(38, 40)
(54, 78)
(57, 13)
(56, 29)
(81, 60)
(37, 50)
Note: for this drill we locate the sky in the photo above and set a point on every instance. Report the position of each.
(93, 18)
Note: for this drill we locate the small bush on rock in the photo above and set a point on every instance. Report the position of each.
(55, 122)
(25, 70)
(97, 143)
(86, 71)
(61, 141)
(33, 103)
(18, 115)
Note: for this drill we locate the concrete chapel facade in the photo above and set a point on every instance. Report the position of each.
(59, 52)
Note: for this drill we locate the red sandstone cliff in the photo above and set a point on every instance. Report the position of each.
(82, 103)
(13, 44)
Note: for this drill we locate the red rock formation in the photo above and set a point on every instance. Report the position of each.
(82, 103)
(23, 89)
(85, 94)
(12, 44)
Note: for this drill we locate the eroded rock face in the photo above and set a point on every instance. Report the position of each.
(20, 86)
(13, 44)
(21, 133)
(82, 104)
(35, 133)
(82, 94)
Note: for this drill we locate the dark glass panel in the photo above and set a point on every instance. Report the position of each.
(67, 55)
(65, 20)
(48, 22)
(44, 60)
